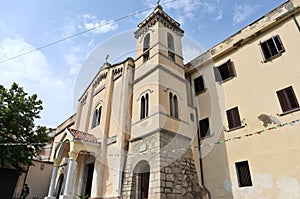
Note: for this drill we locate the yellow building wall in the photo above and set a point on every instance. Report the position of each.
(273, 156)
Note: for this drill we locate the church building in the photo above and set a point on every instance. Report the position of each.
(224, 125)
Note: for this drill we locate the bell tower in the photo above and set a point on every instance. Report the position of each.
(162, 126)
(158, 35)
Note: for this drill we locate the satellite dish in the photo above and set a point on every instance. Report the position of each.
(268, 119)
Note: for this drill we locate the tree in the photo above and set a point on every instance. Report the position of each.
(18, 134)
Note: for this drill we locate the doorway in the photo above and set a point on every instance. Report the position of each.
(89, 179)
(142, 177)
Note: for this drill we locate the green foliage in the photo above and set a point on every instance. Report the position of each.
(17, 114)
(83, 197)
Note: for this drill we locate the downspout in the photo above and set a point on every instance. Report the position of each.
(200, 159)
(198, 138)
(296, 22)
(25, 178)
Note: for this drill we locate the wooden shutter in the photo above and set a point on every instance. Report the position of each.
(244, 176)
(218, 76)
(265, 50)
(287, 99)
(204, 127)
(231, 70)
(283, 100)
(233, 118)
(279, 44)
(199, 84)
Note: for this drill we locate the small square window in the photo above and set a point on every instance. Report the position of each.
(199, 85)
(272, 48)
(204, 128)
(225, 71)
(243, 174)
(233, 118)
(287, 99)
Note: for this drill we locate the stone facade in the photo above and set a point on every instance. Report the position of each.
(172, 168)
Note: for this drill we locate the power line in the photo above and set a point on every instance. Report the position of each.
(80, 33)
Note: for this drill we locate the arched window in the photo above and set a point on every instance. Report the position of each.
(146, 47)
(144, 106)
(171, 104)
(170, 42)
(99, 115)
(171, 51)
(96, 116)
(173, 100)
(146, 42)
(175, 106)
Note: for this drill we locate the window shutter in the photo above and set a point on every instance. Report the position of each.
(204, 127)
(292, 98)
(199, 84)
(283, 100)
(233, 118)
(265, 50)
(243, 172)
(218, 76)
(230, 66)
(278, 43)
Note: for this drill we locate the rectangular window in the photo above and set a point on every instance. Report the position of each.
(272, 47)
(287, 99)
(204, 128)
(224, 72)
(233, 118)
(199, 85)
(243, 174)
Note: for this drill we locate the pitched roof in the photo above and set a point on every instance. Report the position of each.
(82, 135)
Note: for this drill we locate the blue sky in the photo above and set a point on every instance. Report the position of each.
(52, 72)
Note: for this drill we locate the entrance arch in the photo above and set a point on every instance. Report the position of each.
(141, 179)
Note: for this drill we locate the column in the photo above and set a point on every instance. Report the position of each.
(51, 192)
(71, 175)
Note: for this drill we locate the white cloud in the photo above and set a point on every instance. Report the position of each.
(33, 73)
(212, 9)
(101, 26)
(79, 23)
(187, 9)
(89, 16)
(74, 58)
(91, 43)
(242, 12)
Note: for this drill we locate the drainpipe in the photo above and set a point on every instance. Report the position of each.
(296, 22)
(25, 178)
(200, 159)
(198, 138)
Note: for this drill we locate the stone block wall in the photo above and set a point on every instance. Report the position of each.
(172, 168)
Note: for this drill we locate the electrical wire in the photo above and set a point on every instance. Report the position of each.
(80, 33)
